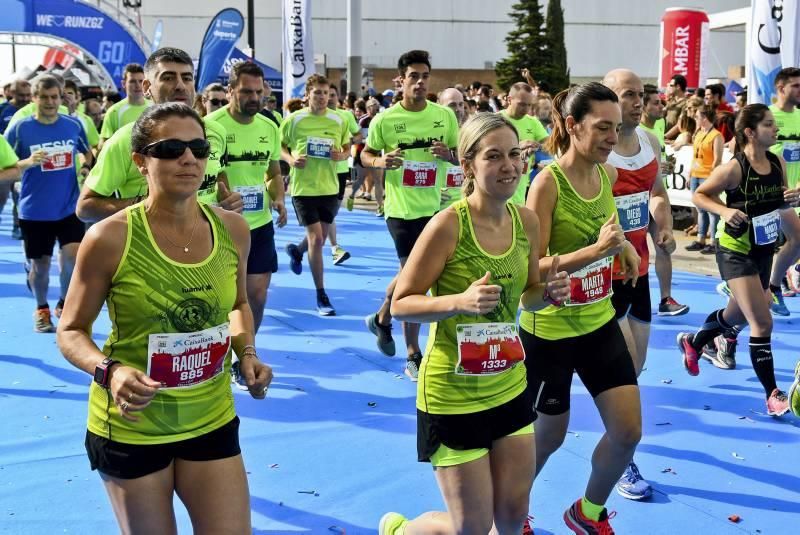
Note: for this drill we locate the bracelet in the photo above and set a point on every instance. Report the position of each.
(249, 346)
(248, 354)
(547, 298)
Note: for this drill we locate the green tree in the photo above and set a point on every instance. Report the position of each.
(558, 71)
(527, 45)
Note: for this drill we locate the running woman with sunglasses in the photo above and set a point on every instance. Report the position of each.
(115, 181)
(172, 273)
(480, 259)
(578, 221)
(754, 183)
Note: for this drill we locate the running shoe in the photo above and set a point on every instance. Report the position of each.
(527, 529)
(295, 258)
(237, 379)
(724, 290)
(794, 391)
(786, 290)
(690, 360)
(632, 485)
(59, 308)
(412, 366)
(722, 354)
(695, 246)
(339, 255)
(16, 233)
(709, 249)
(581, 525)
(383, 333)
(777, 403)
(324, 306)
(379, 211)
(670, 307)
(392, 524)
(778, 306)
(793, 276)
(42, 322)
(350, 203)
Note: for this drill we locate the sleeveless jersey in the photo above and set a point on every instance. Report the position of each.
(759, 196)
(576, 224)
(703, 152)
(635, 178)
(440, 389)
(150, 295)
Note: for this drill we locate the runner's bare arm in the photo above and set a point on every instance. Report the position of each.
(94, 207)
(706, 197)
(534, 296)
(435, 245)
(276, 191)
(10, 174)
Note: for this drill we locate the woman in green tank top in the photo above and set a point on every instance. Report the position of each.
(161, 415)
(479, 259)
(577, 215)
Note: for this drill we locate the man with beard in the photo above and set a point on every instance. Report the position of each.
(116, 183)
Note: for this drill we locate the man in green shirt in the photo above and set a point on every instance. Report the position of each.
(313, 140)
(115, 182)
(452, 190)
(531, 132)
(254, 150)
(128, 109)
(415, 142)
(787, 117)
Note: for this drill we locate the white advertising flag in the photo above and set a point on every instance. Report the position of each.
(773, 45)
(298, 47)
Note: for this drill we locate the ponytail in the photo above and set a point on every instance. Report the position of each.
(558, 142)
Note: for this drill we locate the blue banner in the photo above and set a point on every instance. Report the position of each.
(94, 31)
(272, 76)
(220, 38)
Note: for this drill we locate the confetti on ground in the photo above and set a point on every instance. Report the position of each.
(664, 423)
(737, 456)
(573, 433)
(666, 381)
(735, 519)
(669, 471)
(274, 465)
(372, 404)
(706, 407)
(337, 529)
(306, 492)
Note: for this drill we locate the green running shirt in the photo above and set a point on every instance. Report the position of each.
(788, 144)
(529, 128)
(120, 114)
(352, 129)
(115, 174)
(327, 132)
(440, 390)
(414, 132)
(251, 148)
(152, 294)
(576, 224)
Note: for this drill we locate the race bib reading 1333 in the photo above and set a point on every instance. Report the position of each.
(487, 348)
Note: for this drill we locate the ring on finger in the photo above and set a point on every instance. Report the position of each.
(124, 406)
(130, 397)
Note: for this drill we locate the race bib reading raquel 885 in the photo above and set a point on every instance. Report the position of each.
(178, 360)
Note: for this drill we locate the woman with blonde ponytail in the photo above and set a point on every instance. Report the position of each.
(479, 259)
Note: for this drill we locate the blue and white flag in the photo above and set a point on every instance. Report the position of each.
(298, 47)
(220, 38)
(773, 45)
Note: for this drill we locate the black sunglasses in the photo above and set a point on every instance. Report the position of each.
(172, 149)
(218, 101)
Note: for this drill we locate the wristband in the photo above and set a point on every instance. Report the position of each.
(547, 298)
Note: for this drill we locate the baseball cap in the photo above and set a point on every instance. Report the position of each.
(388, 93)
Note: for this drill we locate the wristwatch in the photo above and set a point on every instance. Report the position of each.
(102, 372)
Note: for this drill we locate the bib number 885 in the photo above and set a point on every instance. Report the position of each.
(191, 374)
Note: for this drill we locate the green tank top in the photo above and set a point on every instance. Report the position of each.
(156, 300)
(576, 224)
(440, 389)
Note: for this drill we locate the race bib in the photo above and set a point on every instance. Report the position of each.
(633, 210)
(319, 147)
(455, 176)
(56, 159)
(252, 197)
(791, 152)
(179, 360)
(590, 284)
(488, 348)
(766, 227)
(419, 174)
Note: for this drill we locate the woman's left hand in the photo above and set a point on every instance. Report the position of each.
(256, 374)
(557, 283)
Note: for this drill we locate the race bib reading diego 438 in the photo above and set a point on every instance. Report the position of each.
(633, 210)
(179, 360)
(590, 284)
(487, 348)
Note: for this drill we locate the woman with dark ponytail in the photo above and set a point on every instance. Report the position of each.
(754, 182)
(578, 226)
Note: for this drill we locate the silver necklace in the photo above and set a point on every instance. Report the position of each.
(191, 237)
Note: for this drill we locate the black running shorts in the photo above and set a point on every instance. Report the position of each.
(733, 265)
(129, 461)
(634, 301)
(405, 233)
(40, 237)
(316, 209)
(263, 257)
(600, 358)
